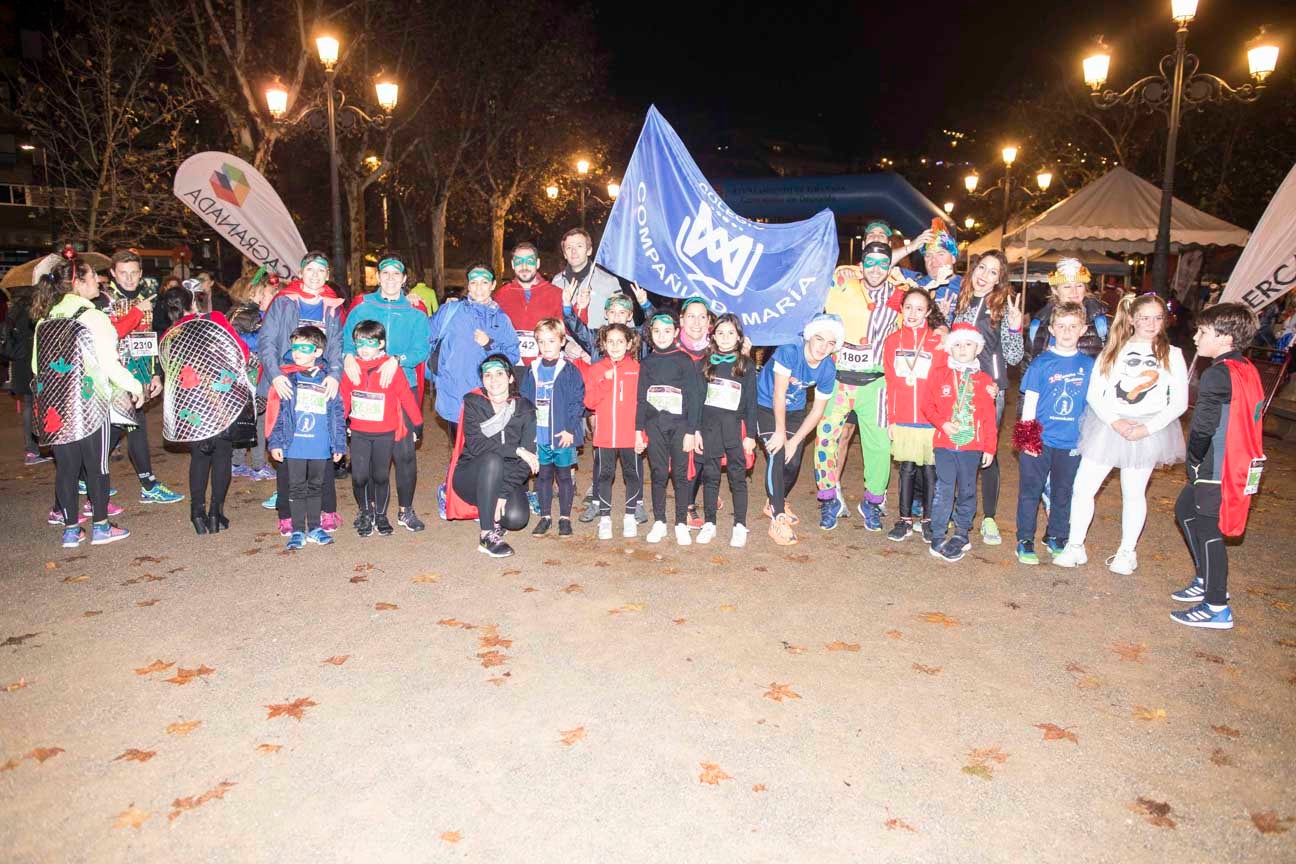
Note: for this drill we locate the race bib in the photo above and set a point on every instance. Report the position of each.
(542, 413)
(1253, 476)
(368, 407)
(142, 343)
(912, 365)
(667, 400)
(312, 399)
(855, 358)
(723, 393)
(527, 345)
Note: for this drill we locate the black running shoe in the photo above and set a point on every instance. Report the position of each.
(364, 523)
(543, 524)
(492, 544)
(383, 525)
(409, 519)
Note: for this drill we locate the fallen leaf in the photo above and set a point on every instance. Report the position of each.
(939, 618)
(927, 670)
(982, 771)
(1129, 651)
(712, 774)
(293, 709)
(1053, 732)
(268, 748)
(780, 692)
(1075, 668)
(843, 646)
(1149, 713)
(20, 684)
(92, 613)
(365, 568)
(1089, 682)
(793, 649)
(988, 754)
(131, 818)
(671, 571)
(628, 607)
(76, 579)
(1219, 757)
(1011, 605)
(454, 622)
(18, 640)
(1227, 731)
(51, 565)
(799, 559)
(180, 805)
(9, 765)
(1286, 643)
(600, 564)
(492, 658)
(719, 560)
(727, 607)
(1157, 812)
(358, 578)
(893, 824)
(572, 589)
(497, 680)
(894, 634)
(494, 642)
(40, 754)
(184, 676)
(155, 666)
(143, 603)
(678, 620)
(551, 562)
(425, 578)
(183, 728)
(519, 572)
(133, 755)
(759, 787)
(385, 607)
(451, 836)
(761, 569)
(336, 659)
(147, 559)
(529, 590)
(1209, 658)
(1267, 822)
(571, 736)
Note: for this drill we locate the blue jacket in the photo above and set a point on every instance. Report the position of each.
(281, 416)
(407, 331)
(460, 357)
(281, 319)
(567, 408)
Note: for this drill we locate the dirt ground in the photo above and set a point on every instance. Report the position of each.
(178, 698)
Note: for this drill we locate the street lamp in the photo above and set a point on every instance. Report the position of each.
(613, 190)
(1177, 82)
(949, 207)
(551, 191)
(968, 223)
(352, 118)
(1043, 179)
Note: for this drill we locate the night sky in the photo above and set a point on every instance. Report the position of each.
(870, 76)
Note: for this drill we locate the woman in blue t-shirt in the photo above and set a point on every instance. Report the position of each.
(781, 405)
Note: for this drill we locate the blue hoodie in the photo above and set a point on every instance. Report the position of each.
(407, 331)
(457, 365)
(302, 434)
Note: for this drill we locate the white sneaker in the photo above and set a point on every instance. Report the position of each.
(605, 528)
(706, 533)
(682, 537)
(657, 533)
(1124, 562)
(629, 526)
(739, 537)
(1072, 556)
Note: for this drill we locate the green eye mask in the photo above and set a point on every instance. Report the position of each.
(877, 261)
(304, 347)
(369, 343)
(526, 260)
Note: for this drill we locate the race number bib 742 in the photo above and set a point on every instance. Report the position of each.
(527, 345)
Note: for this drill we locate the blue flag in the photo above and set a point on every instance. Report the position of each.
(670, 232)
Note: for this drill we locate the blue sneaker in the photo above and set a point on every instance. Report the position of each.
(271, 503)
(1054, 545)
(72, 537)
(1202, 615)
(951, 550)
(1195, 592)
(241, 471)
(829, 512)
(81, 487)
(441, 501)
(296, 540)
(534, 500)
(106, 532)
(159, 494)
(872, 514)
(1026, 552)
(318, 536)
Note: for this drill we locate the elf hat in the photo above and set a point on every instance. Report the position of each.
(965, 333)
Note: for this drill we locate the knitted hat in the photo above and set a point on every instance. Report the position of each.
(827, 324)
(965, 332)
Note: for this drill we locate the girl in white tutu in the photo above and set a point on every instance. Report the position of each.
(1137, 393)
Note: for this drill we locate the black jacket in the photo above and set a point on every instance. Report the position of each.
(675, 369)
(727, 422)
(20, 332)
(1210, 420)
(518, 432)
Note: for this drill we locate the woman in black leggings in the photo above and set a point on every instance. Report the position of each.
(498, 455)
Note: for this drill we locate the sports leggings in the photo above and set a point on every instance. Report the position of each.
(1197, 511)
(488, 478)
(915, 479)
(781, 468)
(990, 474)
(544, 484)
(406, 459)
(736, 463)
(328, 493)
(88, 456)
(1133, 481)
(210, 458)
(668, 461)
(371, 458)
(606, 459)
(137, 446)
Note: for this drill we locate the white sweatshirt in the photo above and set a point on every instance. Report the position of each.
(1138, 388)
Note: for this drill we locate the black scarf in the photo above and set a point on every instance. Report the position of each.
(576, 277)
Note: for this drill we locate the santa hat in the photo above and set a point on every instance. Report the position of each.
(828, 324)
(965, 333)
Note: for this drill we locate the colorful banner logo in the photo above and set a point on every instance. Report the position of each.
(230, 185)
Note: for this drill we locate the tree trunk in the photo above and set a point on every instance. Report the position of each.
(356, 220)
(92, 220)
(498, 212)
(438, 245)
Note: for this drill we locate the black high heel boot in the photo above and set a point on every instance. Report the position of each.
(199, 520)
(216, 521)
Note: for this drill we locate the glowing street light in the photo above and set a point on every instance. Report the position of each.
(968, 223)
(970, 182)
(276, 96)
(1044, 179)
(949, 207)
(551, 191)
(1262, 56)
(1009, 154)
(613, 190)
(582, 166)
(328, 51)
(388, 92)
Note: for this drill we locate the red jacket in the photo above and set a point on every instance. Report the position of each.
(545, 302)
(397, 395)
(613, 400)
(904, 351)
(938, 408)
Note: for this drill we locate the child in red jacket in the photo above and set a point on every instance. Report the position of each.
(612, 393)
(960, 403)
(377, 413)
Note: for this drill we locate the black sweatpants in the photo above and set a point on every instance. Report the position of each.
(916, 481)
(781, 468)
(406, 459)
(89, 458)
(305, 487)
(210, 458)
(716, 444)
(371, 458)
(328, 494)
(1197, 511)
(606, 459)
(137, 447)
(486, 479)
(990, 474)
(668, 461)
(545, 479)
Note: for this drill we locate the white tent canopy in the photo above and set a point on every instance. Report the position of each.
(1116, 213)
(1043, 262)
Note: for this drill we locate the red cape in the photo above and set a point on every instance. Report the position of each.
(1242, 444)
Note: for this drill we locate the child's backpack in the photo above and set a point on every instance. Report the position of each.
(456, 507)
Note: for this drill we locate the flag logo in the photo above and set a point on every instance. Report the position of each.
(230, 185)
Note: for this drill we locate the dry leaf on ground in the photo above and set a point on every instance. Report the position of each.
(451, 836)
(454, 622)
(146, 603)
(927, 670)
(73, 580)
(1054, 732)
(678, 620)
(184, 676)
(492, 658)
(183, 728)
(939, 618)
(1149, 713)
(293, 709)
(894, 634)
(358, 578)
(336, 660)
(1156, 812)
(759, 787)
(147, 559)
(385, 607)
(1227, 731)
(780, 692)
(40, 754)
(842, 646)
(133, 755)
(180, 805)
(712, 774)
(1129, 651)
(131, 818)
(571, 736)
(1268, 822)
(425, 578)
(155, 666)
(269, 748)
(494, 642)
(893, 824)
(980, 759)
(20, 684)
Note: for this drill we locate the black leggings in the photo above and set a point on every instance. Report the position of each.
(1197, 511)
(781, 468)
(916, 480)
(606, 460)
(737, 468)
(406, 459)
(486, 479)
(137, 446)
(212, 458)
(371, 457)
(668, 461)
(990, 474)
(88, 457)
(545, 478)
(328, 494)
(306, 478)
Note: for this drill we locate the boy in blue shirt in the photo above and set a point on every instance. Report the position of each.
(1053, 399)
(783, 423)
(307, 431)
(557, 390)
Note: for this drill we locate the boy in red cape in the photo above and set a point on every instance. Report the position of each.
(1225, 458)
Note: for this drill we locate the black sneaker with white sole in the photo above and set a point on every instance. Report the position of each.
(591, 511)
(492, 544)
(903, 528)
(1194, 593)
(408, 519)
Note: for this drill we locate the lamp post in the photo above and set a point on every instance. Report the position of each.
(1043, 180)
(582, 169)
(582, 173)
(335, 109)
(1177, 82)
(49, 190)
